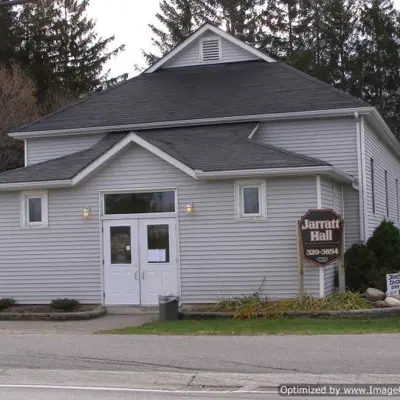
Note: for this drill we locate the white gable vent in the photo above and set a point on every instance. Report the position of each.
(210, 50)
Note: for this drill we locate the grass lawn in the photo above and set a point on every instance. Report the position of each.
(265, 327)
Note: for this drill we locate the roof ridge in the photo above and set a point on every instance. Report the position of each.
(322, 83)
(288, 152)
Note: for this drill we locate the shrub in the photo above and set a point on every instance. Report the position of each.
(252, 307)
(6, 303)
(360, 266)
(66, 305)
(367, 264)
(385, 243)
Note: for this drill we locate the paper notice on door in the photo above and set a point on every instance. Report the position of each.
(156, 255)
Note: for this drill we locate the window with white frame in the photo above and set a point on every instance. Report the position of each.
(250, 199)
(34, 209)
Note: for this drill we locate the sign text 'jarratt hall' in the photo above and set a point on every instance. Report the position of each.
(321, 230)
(321, 236)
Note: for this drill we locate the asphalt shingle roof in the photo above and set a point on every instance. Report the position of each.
(206, 148)
(224, 148)
(224, 90)
(62, 168)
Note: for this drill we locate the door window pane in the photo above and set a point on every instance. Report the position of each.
(120, 245)
(251, 200)
(158, 244)
(138, 203)
(35, 209)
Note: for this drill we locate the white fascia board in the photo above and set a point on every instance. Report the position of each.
(194, 122)
(199, 33)
(7, 187)
(177, 49)
(240, 44)
(99, 163)
(163, 155)
(130, 138)
(278, 172)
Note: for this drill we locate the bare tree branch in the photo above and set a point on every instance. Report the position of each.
(18, 106)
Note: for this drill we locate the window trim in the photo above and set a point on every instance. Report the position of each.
(239, 199)
(105, 216)
(25, 196)
(372, 171)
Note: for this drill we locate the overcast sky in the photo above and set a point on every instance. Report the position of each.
(128, 20)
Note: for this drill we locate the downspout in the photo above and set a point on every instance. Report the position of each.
(321, 269)
(360, 158)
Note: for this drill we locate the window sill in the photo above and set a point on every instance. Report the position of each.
(251, 219)
(34, 226)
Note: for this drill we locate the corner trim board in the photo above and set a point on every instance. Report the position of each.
(364, 178)
(25, 152)
(319, 194)
(321, 270)
(360, 177)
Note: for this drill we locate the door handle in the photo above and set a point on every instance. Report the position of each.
(135, 275)
(143, 275)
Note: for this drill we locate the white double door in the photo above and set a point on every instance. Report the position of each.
(140, 260)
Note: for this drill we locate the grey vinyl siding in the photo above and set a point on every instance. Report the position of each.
(330, 139)
(384, 159)
(219, 256)
(329, 275)
(351, 215)
(43, 149)
(326, 193)
(331, 196)
(191, 55)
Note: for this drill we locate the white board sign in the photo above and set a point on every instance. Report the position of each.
(393, 284)
(156, 255)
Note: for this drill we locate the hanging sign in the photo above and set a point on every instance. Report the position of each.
(321, 236)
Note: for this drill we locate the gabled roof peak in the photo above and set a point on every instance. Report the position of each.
(208, 28)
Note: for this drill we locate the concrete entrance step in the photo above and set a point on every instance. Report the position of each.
(132, 310)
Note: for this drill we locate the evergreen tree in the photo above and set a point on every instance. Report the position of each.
(178, 20)
(241, 18)
(375, 67)
(340, 33)
(7, 38)
(61, 48)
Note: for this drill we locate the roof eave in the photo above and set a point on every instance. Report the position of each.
(61, 184)
(202, 175)
(342, 112)
(327, 170)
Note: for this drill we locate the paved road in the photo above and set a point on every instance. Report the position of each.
(65, 394)
(306, 354)
(68, 394)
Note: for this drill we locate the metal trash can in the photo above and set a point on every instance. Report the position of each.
(168, 307)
